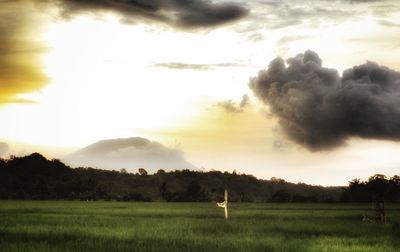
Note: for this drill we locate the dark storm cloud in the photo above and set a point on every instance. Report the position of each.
(199, 67)
(19, 53)
(319, 110)
(180, 13)
(234, 107)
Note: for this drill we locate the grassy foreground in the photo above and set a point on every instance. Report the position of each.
(125, 226)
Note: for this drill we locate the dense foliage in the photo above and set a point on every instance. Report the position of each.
(376, 188)
(35, 177)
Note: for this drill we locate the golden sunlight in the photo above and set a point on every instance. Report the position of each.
(104, 82)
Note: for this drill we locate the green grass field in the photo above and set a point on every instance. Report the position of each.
(125, 226)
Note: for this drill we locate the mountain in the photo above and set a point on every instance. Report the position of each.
(129, 153)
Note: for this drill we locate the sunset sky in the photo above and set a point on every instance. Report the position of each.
(186, 74)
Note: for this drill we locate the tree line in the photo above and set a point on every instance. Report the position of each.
(37, 178)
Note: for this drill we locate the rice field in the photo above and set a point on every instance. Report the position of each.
(156, 226)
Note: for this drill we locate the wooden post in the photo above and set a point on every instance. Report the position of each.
(224, 204)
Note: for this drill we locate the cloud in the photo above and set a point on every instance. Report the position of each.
(179, 13)
(21, 51)
(291, 38)
(198, 67)
(273, 15)
(4, 149)
(384, 8)
(20, 66)
(255, 37)
(267, 16)
(233, 107)
(320, 110)
(388, 23)
(129, 153)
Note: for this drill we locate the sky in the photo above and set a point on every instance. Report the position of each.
(302, 90)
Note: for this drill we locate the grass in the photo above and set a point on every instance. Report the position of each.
(125, 226)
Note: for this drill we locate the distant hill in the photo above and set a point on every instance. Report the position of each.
(129, 153)
(35, 177)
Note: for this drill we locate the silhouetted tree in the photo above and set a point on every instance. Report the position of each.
(378, 185)
(394, 189)
(358, 191)
(142, 172)
(378, 189)
(163, 188)
(281, 196)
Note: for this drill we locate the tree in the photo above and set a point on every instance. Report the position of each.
(378, 185)
(163, 189)
(161, 171)
(358, 191)
(394, 189)
(142, 172)
(193, 191)
(280, 196)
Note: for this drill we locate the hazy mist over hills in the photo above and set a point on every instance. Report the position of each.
(129, 153)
